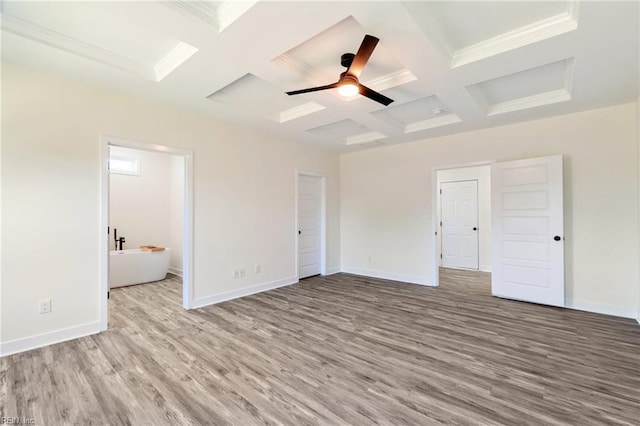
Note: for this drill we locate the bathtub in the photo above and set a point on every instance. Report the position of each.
(134, 266)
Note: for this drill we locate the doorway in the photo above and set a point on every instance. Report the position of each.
(310, 225)
(525, 249)
(180, 163)
(465, 203)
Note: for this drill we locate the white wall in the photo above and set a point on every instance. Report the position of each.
(483, 175)
(244, 200)
(387, 195)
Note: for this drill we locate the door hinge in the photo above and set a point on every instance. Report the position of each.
(108, 230)
(440, 223)
(441, 191)
(108, 295)
(440, 255)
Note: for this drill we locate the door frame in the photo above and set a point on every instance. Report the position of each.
(187, 223)
(323, 221)
(435, 196)
(439, 213)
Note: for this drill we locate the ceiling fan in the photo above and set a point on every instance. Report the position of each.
(348, 84)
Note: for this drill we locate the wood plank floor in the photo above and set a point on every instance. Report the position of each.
(335, 350)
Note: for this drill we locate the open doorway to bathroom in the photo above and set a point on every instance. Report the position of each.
(146, 213)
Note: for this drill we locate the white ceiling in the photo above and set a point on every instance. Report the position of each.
(449, 66)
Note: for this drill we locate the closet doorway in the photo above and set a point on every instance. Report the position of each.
(464, 217)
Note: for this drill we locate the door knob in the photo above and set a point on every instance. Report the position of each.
(299, 232)
(475, 229)
(557, 238)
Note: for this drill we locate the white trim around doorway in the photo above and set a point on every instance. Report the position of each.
(434, 208)
(323, 220)
(187, 235)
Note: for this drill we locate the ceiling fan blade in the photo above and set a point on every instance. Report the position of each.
(372, 94)
(362, 57)
(313, 89)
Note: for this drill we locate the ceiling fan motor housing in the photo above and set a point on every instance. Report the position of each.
(348, 79)
(346, 59)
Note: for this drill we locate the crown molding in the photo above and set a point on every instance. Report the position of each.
(429, 25)
(391, 80)
(533, 101)
(201, 10)
(300, 111)
(387, 82)
(218, 15)
(302, 68)
(529, 34)
(68, 44)
(541, 99)
(364, 137)
(230, 11)
(445, 120)
(176, 57)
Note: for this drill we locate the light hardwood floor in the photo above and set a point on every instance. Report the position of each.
(335, 350)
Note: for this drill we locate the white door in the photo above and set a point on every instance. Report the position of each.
(309, 225)
(459, 224)
(528, 243)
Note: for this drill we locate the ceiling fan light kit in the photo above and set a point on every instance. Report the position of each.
(348, 85)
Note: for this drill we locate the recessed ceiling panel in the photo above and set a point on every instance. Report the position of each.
(465, 23)
(421, 114)
(417, 110)
(317, 60)
(256, 96)
(348, 131)
(471, 31)
(525, 89)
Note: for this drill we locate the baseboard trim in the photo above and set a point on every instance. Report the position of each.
(331, 271)
(569, 303)
(175, 271)
(39, 340)
(389, 276)
(599, 308)
(242, 292)
(485, 268)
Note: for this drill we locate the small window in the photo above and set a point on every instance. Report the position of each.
(124, 165)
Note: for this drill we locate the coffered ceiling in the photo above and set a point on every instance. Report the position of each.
(449, 66)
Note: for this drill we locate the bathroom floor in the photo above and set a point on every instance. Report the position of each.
(137, 305)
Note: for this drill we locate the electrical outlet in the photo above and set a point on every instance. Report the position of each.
(242, 272)
(44, 306)
(236, 273)
(258, 269)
